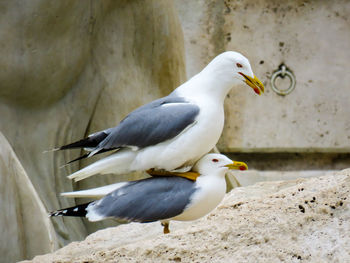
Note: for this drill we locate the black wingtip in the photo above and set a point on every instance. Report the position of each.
(92, 141)
(79, 158)
(77, 211)
(86, 155)
(78, 144)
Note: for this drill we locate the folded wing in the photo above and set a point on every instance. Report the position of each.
(148, 125)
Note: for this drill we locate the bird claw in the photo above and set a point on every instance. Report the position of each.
(188, 175)
(165, 228)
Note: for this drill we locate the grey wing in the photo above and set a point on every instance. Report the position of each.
(151, 124)
(145, 200)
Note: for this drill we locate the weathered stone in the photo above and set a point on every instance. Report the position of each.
(305, 219)
(312, 38)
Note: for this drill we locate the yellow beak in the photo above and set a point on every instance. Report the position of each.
(237, 166)
(254, 83)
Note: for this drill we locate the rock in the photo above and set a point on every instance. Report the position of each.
(305, 219)
(26, 230)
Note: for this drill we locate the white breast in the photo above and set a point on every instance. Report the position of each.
(210, 192)
(188, 146)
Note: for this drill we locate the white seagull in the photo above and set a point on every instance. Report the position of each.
(159, 198)
(173, 132)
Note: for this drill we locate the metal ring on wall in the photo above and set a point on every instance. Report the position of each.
(282, 73)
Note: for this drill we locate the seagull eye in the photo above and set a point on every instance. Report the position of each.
(215, 160)
(239, 65)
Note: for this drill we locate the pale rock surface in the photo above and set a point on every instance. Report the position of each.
(26, 230)
(305, 220)
(249, 177)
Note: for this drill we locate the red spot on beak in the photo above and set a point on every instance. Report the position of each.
(257, 91)
(242, 168)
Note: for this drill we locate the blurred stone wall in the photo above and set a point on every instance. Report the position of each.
(70, 68)
(26, 230)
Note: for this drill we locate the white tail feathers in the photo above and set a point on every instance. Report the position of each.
(92, 215)
(98, 192)
(117, 163)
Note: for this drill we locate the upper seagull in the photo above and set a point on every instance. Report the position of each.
(173, 132)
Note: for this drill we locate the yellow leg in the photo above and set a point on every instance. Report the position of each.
(166, 228)
(189, 175)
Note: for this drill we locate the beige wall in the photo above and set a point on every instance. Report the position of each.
(311, 37)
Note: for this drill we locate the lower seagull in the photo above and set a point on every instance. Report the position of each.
(161, 198)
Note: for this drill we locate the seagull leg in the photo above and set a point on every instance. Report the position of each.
(165, 227)
(189, 175)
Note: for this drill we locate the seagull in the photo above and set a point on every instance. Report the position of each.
(163, 198)
(173, 132)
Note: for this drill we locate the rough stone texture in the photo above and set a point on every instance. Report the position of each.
(245, 178)
(23, 216)
(311, 37)
(306, 220)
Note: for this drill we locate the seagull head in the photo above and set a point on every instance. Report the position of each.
(232, 68)
(213, 164)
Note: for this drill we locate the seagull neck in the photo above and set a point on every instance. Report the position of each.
(218, 172)
(202, 85)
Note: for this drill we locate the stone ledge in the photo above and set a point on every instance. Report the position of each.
(305, 219)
